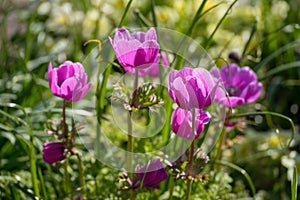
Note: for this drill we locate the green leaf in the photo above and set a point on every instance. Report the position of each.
(14, 118)
(8, 136)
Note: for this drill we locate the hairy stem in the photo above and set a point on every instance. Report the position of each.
(65, 128)
(191, 156)
(129, 127)
(129, 142)
(66, 136)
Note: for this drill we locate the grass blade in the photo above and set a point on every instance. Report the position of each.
(241, 170)
(250, 38)
(280, 69)
(31, 150)
(272, 114)
(179, 60)
(294, 184)
(125, 13)
(219, 24)
(276, 53)
(143, 20)
(153, 13)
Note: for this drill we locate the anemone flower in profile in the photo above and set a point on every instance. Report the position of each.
(192, 87)
(68, 81)
(53, 152)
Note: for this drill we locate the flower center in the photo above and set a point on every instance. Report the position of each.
(233, 91)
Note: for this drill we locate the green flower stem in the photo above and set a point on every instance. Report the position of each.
(129, 136)
(67, 180)
(136, 80)
(65, 134)
(129, 150)
(221, 142)
(190, 165)
(129, 124)
(190, 171)
(65, 128)
(129, 143)
(188, 189)
(81, 177)
(42, 183)
(32, 157)
(171, 190)
(294, 183)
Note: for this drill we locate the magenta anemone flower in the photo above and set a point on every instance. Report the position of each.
(53, 152)
(149, 176)
(137, 50)
(68, 81)
(241, 85)
(153, 70)
(192, 88)
(181, 122)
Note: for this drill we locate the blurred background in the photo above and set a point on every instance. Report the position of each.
(261, 34)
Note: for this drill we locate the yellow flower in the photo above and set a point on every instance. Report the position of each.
(274, 141)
